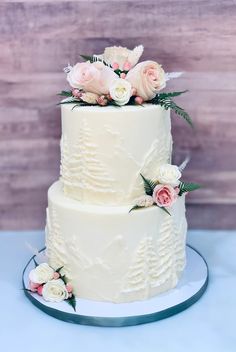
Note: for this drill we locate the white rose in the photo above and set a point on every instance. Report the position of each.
(122, 57)
(41, 274)
(147, 78)
(145, 201)
(120, 91)
(169, 174)
(90, 98)
(55, 291)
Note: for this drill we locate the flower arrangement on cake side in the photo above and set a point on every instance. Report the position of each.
(116, 78)
(51, 284)
(165, 189)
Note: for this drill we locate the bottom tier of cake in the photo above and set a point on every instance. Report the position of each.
(109, 254)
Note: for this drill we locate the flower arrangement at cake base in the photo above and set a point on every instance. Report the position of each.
(165, 189)
(51, 284)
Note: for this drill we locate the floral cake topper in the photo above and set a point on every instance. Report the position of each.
(117, 78)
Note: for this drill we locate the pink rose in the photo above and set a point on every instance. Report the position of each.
(138, 100)
(33, 286)
(91, 77)
(69, 287)
(76, 93)
(56, 275)
(164, 195)
(40, 290)
(102, 100)
(147, 78)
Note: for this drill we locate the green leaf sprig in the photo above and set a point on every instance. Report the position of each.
(165, 100)
(185, 187)
(93, 58)
(149, 185)
(65, 93)
(71, 300)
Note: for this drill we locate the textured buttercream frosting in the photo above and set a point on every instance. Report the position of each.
(109, 254)
(104, 150)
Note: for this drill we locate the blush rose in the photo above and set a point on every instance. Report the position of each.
(147, 77)
(164, 195)
(91, 77)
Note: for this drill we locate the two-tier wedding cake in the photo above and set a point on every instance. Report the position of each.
(116, 225)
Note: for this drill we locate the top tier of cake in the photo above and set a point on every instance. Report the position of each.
(105, 149)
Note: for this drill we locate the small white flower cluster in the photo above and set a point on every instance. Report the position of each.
(145, 201)
(49, 284)
(168, 174)
(120, 91)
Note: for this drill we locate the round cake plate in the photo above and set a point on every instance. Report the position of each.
(190, 288)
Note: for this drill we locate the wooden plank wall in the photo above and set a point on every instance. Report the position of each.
(38, 38)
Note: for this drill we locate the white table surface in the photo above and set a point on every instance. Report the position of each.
(207, 326)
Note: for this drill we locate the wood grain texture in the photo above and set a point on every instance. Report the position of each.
(37, 39)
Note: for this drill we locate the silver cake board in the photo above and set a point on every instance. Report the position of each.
(190, 288)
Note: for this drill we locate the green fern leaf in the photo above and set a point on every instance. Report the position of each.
(113, 103)
(65, 93)
(163, 96)
(170, 94)
(35, 263)
(63, 278)
(135, 207)
(163, 208)
(170, 104)
(68, 101)
(76, 102)
(87, 58)
(72, 302)
(187, 187)
(59, 269)
(149, 185)
(75, 106)
(140, 207)
(81, 103)
(93, 59)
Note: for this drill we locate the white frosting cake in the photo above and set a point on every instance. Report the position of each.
(107, 252)
(116, 223)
